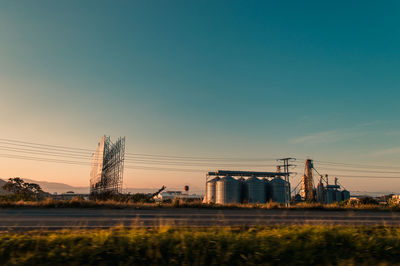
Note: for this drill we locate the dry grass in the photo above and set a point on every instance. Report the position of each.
(111, 204)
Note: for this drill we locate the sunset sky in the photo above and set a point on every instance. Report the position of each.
(225, 79)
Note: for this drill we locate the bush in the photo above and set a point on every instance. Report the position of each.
(176, 202)
(368, 201)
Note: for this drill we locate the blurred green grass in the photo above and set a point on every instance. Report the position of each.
(291, 245)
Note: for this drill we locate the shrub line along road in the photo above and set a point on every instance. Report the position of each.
(26, 219)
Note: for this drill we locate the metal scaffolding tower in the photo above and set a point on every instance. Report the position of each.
(107, 167)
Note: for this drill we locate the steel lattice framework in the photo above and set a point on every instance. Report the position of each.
(307, 184)
(107, 172)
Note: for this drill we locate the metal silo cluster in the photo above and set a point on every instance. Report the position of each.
(323, 193)
(330, 193)
(226, 188)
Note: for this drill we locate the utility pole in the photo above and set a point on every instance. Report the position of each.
(286, 165)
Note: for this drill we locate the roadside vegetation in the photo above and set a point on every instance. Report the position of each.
(19, 190)
(293, 245)
(78, 202)
(29, 195)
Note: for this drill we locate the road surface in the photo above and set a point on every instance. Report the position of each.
(27, 219)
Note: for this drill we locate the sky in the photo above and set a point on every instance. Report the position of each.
(246, 79)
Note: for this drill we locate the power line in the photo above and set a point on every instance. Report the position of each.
(198, 164)
(51, 152)
(61, 153)
(166, 169)
(71, 150)
(67, 149)
(161, 168)
(87, 163)
(87, 151)
(360, 171)
(169, 162)
(42, 159)
(41, 144)
(149, 161)
(201, 158)
(356, 165)
(353, 165)
(378, 177)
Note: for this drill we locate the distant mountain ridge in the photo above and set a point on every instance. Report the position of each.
(2, 191)
(52, 187)
(59, 188)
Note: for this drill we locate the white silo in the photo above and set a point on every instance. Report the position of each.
(256, 192)
(211, 190)
(279, 189)
(228, 190)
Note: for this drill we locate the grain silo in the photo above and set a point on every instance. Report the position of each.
(228, 190)
(345, 195)
(320, 193)
(211, 190)
(329, 196)
(268, 190)
(338, 195)
(255, 190)
(279, 189)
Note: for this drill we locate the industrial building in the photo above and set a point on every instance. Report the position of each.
(225, 187)
(172, 195)
(330, 193)
(323, 193)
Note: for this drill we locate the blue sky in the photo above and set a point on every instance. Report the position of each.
(203, 78)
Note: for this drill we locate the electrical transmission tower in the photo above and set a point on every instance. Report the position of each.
(286, 167)
(307, 185)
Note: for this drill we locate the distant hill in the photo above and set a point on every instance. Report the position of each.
(2, 191)
(52, 187)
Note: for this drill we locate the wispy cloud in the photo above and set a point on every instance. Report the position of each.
(384, 152)
(325, 137)
(315, 138)
(368, 124)
(331, 136)
(392, 133)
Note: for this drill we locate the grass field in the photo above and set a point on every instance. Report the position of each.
(294, 245)
(110, 204)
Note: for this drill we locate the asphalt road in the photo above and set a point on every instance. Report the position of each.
(27, 219)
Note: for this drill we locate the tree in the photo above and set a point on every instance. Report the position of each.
(22, 190)
(368, 201)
